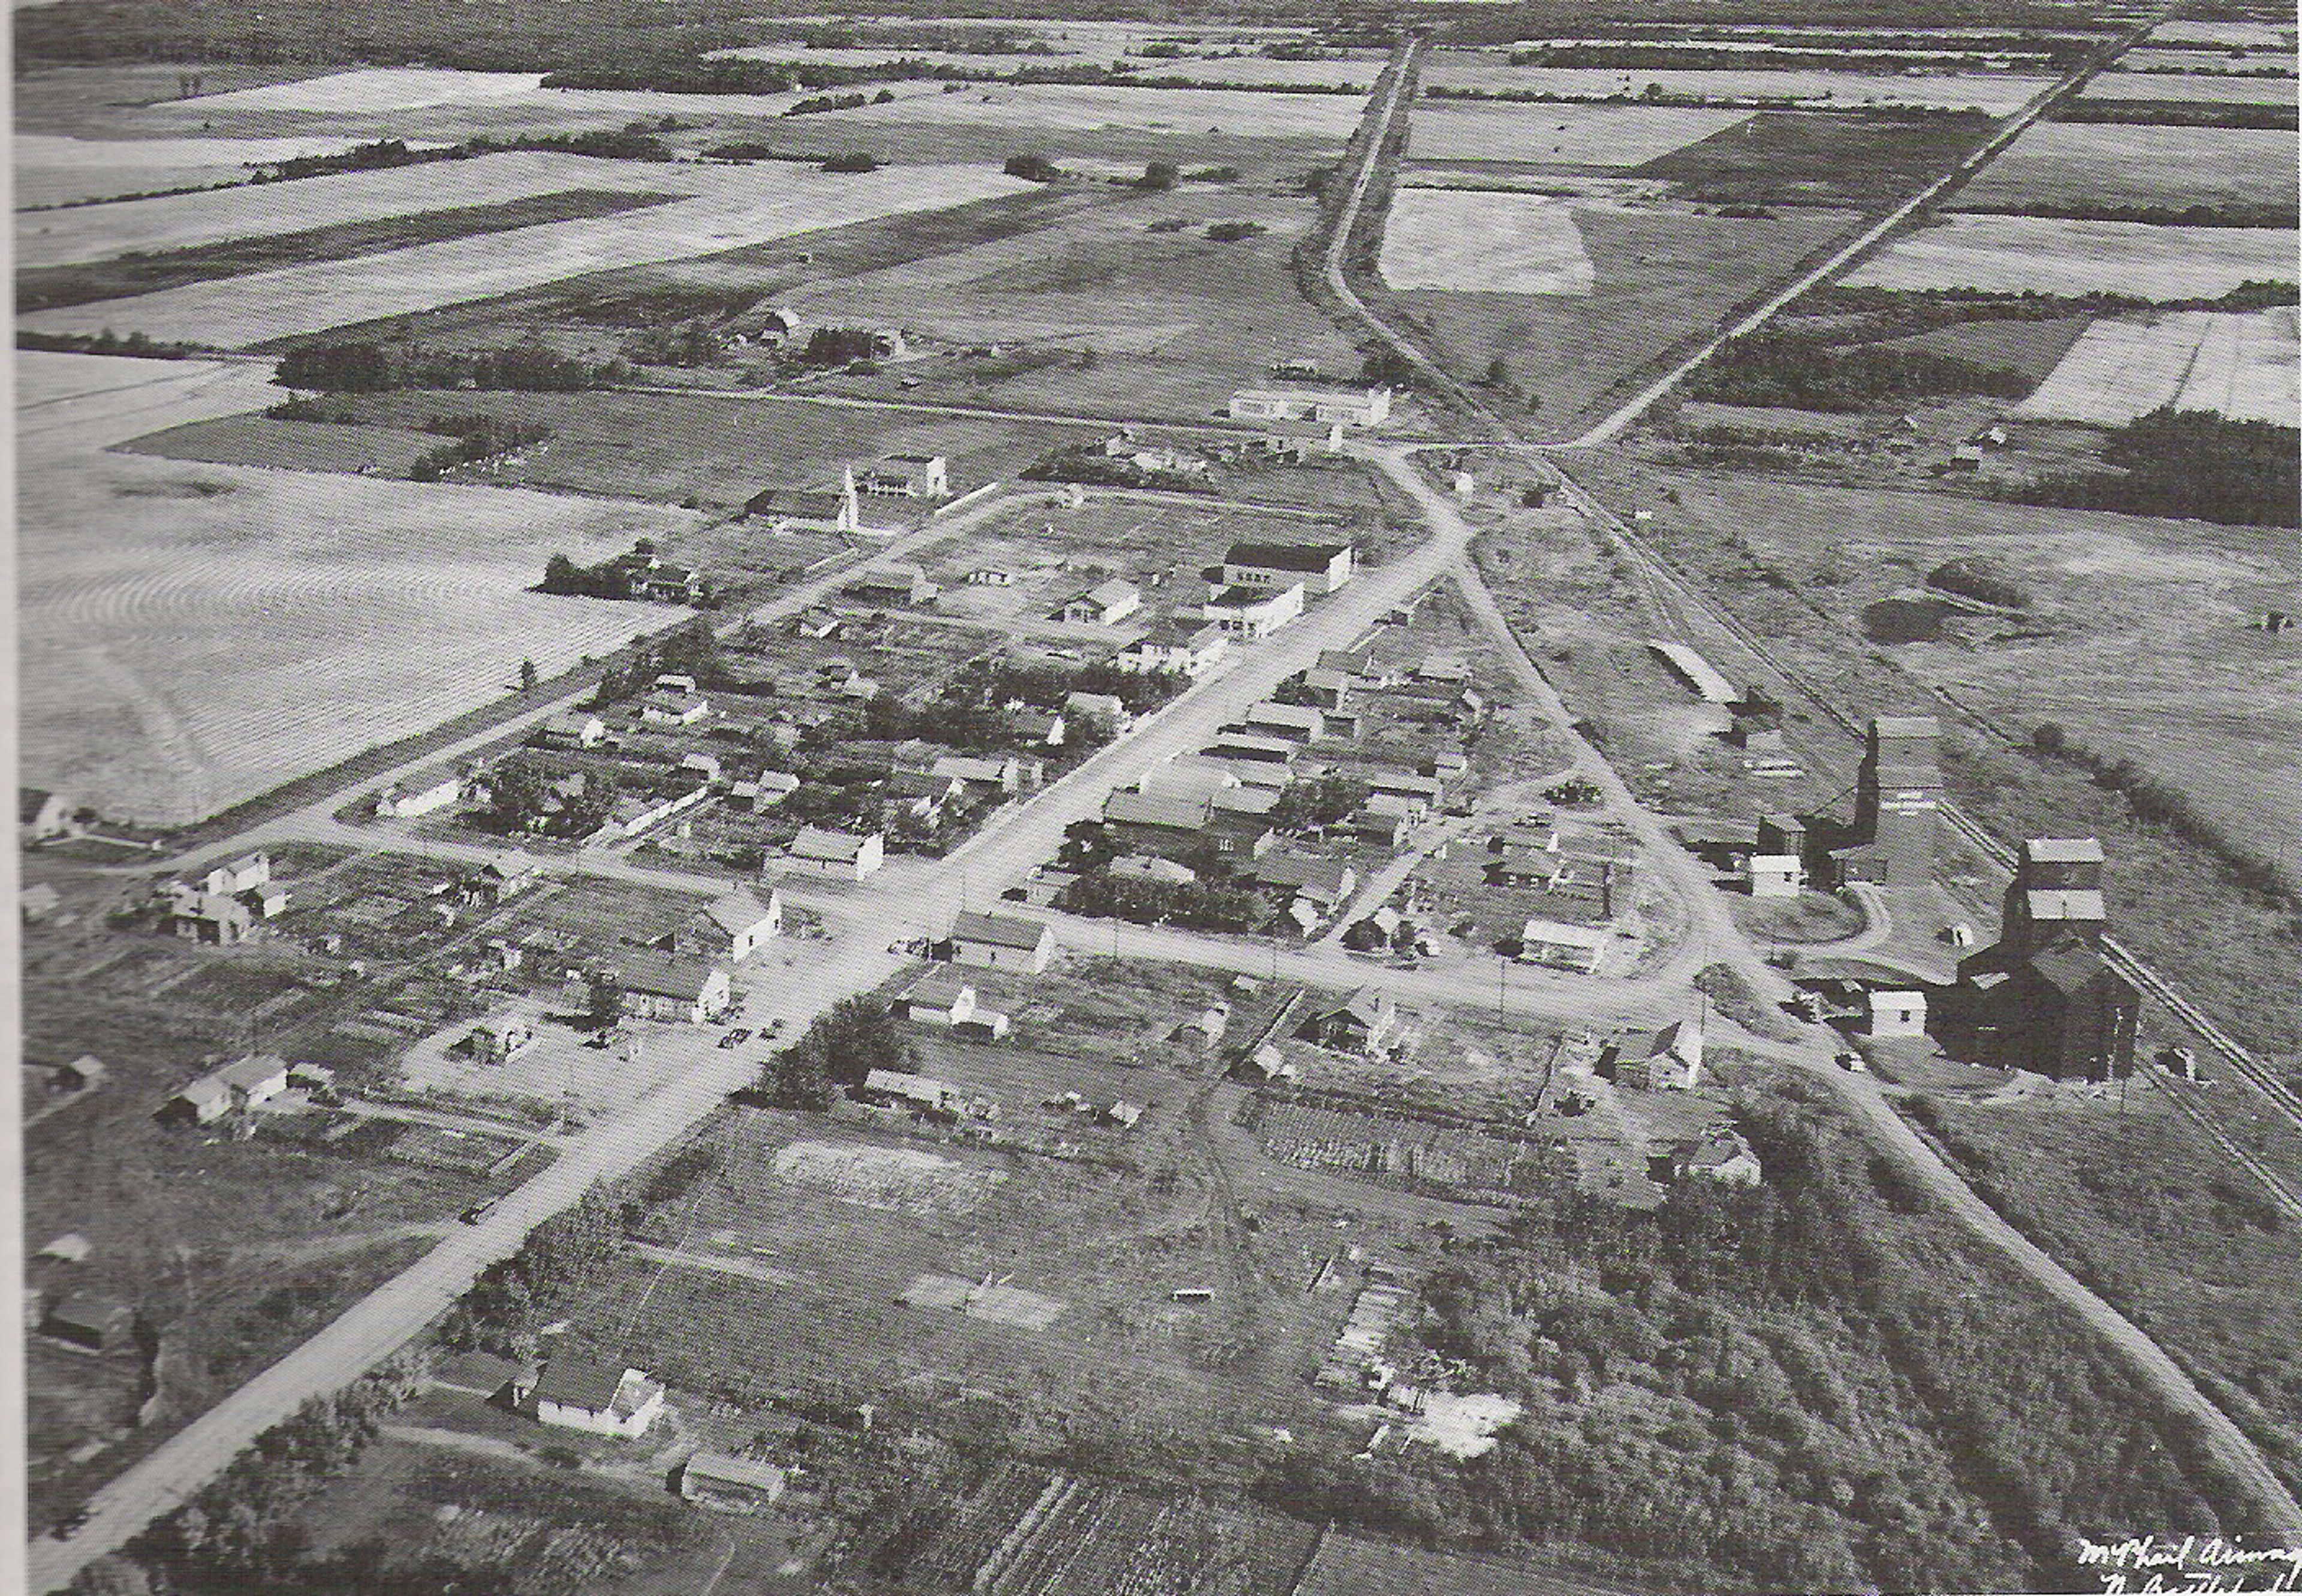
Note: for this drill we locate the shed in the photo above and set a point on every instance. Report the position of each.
(733, 1485)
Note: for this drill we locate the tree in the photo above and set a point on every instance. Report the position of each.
(1034, 169)
(527, 676)
(1159, 176)
(562, 575)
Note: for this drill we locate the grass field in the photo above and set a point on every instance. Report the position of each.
(2066, 164)
(729, 210)
(1356, 72)
(177, 621)
(1997, 92)
(51, 169)
(1567, 135)
(2240, 365)
(2032, 255)
(2192, 88)
(1659, 275)
(1488, 243)
(372, 88)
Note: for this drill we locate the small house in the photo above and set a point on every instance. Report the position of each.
(1105, 604)
(897, 585)
(664, 707)
(1561, 947)
(254, 1079)
(575, 729)
(1669, 1060)
(1364, 1022)
(38, 902)
(1722, 1155)
(1773, 874)
(684, 991)
(85, 1073)
(600, 1399)
(733, 926)
(838, 855)
(201, 1102)
(902, 1088)
(503, 878)
(1192, 650)
(731, 1484)
(499, 1037)
(1895, 1014)
(1002, 942)
(211, 917)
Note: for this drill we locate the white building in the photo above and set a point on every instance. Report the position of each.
(1773, 874)
(1319, 567)
(1562, 947)
(841, 855)
(733, 927)
(1896, 1014)
(1254, 612)
(421, 795)
(600, 1399)
(1351, 407)
(1002, 942)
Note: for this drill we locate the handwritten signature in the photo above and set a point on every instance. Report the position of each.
(2193, 1565)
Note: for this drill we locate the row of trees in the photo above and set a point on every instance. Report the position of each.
(514, 1296)
(361, 366)
(476, 438)
(1808, 372)
(2190, 464)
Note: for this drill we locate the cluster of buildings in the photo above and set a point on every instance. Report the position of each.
(227, 905)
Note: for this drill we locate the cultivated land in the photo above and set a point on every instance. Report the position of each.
(1996, 93)
(2055, 165)
(56, 170)
(1490, 243)
(1088, 108)
(2031, 255)
(2239, 365)
(1567, 135)
(727, 211)
(2192, 88)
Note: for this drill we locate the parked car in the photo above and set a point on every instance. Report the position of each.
(735, 1038)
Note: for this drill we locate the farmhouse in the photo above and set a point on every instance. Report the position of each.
(208, 917)
(600, 1399)
(90, 1323)
(1366, 1022)
(942, 998)
(1352, 407)
(254, 1079)
(42, 815)
(1179, 646)
(685, 991)
(907, 476)
(203, 1102)
(1253, 612)
(1320, 568)
(419, 796)
(1105, 604)
(841, 855)
(1002, 942)
(732, 1484)
(1669, 1060)
(1561, 947)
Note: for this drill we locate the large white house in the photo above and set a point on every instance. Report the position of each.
(734, 926)
(842, 855)
(1253, 611)
(1352, 407)
(600, 1399)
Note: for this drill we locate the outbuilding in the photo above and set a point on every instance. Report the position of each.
(1002, 942)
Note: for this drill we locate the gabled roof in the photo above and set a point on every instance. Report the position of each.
(837, 846)
(681, 979)
(253, 1071)
(1156, 809)
(595, 1387)
(719, 1468)
(2064, 850)
(2068, 966)
(736, 912)
(1366, 1006)
(1000, 930)
(1104, 594)
(1285, 557)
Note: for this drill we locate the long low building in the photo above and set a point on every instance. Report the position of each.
(1698, 673)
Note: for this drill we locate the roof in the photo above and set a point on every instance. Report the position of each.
(594, 1387)
(252, 1070)
(936, 989)
(30, 802)
(902, 1083)
(2064, 903)
(1269, 713)
(815, 842)
(1366, 1006)
(1302, 870)
(1175, 633)
(1156, 809)
(1906, 726)
(738, 911)
(1590, 938)
(720, 1469)
(248, 862)
(965, 767)
(1117, 591)
(1285, 557)
(2067, 966)
(1718, 1150)
(1001, 930)
(88, 1309)
(683, 979)
(1095, 703)
(207, 1088)
(2064, 850)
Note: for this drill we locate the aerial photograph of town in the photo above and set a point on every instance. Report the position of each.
(1158, 798)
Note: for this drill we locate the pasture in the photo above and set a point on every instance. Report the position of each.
(182, 627)
(1564, 135)
(2056, 165)
(730, 210)
(2240, 365)
(1997, 92)
(2191, 87)
(2223, 36)
(1490, 243)
(2035, 255)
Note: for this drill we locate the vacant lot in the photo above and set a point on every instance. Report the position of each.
(182, 626)
(2191, 87)
(2032, 255)
(1661, 274)
(1566, 135)
(1997, 92)
(728, 211)
(2059, 165)
(2241, 365)
(1493, 243)
(184, 221)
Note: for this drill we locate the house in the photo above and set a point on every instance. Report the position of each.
(1155, 821)
(1522, 867)
(1895, 1014)
(1002, 942)
(900, 1087)
(419, 796)
(36, 902)
(1319, 567)
(1326, 883)
(203, 1102)
(1669, 1060)
(254, 1079)
(575, 729)
(1773, 874)
(840, 855)
(499, 1037)
(85, 1073)
(1249, 747)
(816, 622)
(685, 991)
(665, 706)
(1178, 646)
(600, 1399)
(42, 815)
(210, 918)
(907, 476)
(731, 1484)
(1368, 826)
(90, 1323)
(1253, 612)
(1562, 947)
(1299, 723)
(733, 926)
(1106, 708)
(771, 789)
(816, 510)
(942, 998)
(647, 578)
(1105, 604)
(1366, 1022)
(979, 776)
(1721, 1155)
(1351, 407)
(243, 874)
(499, 881)
(895, 585)
(1123, 1113)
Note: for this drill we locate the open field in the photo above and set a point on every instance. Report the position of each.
(53, 170)
(177, 623)
(372, 89)
(1356, 71)
(1078, 108)
(1660, 273)
(2240, 365)
(185, 221)
(1567, 135)
(1488, 243)
(2197, 33)
(1794, 157)
(1997, 92)
(2191, 88)
(730, 212)
(2056, 164)
(2190, 60)
(2034, 254)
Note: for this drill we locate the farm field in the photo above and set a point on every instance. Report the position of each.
(2045, 255)
(1660, 273)
(1795, 157)
(1566, 135)
(2199, 34)
(164, 687)
(729, 212)
(372, 88)
(185, 221)
(2262, 63)
(1997, 92)
(1055, 109)
(2056, 165)
(52, 170)
(2191, 88)
(2240, 365)
(1356, 71)
(1490, 243)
